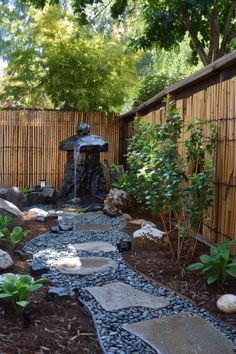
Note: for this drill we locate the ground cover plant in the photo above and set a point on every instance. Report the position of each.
(17, 289)
(219, 264)
(170, 185)
(10, 237)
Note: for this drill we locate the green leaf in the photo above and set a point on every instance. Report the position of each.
(195, 266)
(214, 251)
(4, 296)
(25, 279)
(212, 278)
(205, 259)
(22, 303)
(231, 270)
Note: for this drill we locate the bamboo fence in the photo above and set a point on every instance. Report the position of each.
(216, 103)
(29, 143)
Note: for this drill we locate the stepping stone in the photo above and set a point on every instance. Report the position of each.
(118, 295)
(86, 265)
(96, 246)
(181, 334)
(93, 227)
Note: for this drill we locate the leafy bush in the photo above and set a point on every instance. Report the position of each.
(219, 265)
(164, 182)
(10, 238)
(17, 289)
(5, 220)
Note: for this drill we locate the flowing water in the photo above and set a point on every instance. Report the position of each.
(76, 160)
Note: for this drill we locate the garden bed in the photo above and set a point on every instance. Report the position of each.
(58, 325)
(160, 267)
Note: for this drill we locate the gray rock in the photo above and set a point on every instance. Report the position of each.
(55, 229)
(38, 269)
(65, 227)
(5, 260)
(124, 246)
(40, 218)
(60, 292)
(13, 195)
(115, 202)
(46, 195)
(23, 254)
(8, 208)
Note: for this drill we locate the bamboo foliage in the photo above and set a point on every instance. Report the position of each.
(29, 143)
(217, 103)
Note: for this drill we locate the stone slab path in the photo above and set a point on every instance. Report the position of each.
(94, 247)
(131, 314)
(118, 295)
(181, 333)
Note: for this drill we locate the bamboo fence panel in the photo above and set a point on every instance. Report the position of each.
(29, 143)
(217, 103)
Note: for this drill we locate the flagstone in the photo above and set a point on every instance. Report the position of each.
(181, 334)
(85, 265)
(118, 295)
(95, 246)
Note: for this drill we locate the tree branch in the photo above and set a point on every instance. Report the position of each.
(201, 52)
(213, 53)
(227, 36)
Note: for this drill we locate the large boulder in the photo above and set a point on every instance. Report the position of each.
(5, 260)
(227, 303)
(8, 208)
(13, 195)
(116, 202)
(45, 195)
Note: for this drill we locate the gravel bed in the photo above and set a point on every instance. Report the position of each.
(49, 248)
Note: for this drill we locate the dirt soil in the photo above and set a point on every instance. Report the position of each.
(52, 325)
(160, 267)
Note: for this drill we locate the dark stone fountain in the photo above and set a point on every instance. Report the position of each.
(83, 173)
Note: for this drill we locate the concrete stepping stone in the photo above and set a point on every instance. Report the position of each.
(93, 227)
(85, 265)
(181, 334)
(118, 295)
(95, 246)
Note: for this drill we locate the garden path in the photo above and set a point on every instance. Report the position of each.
(132, 315)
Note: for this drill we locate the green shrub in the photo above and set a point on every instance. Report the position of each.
(10, 238)
(164, 182)
(219, 264)
(17, 289)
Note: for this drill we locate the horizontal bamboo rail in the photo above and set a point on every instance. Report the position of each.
(29, 143)
(216, 103)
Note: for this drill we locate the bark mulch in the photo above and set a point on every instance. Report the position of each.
(54, 325)
(160, 267)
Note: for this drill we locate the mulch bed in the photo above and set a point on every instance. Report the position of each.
(57, 325)
(160, 267)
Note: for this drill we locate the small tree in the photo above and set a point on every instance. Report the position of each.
(164, 182)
